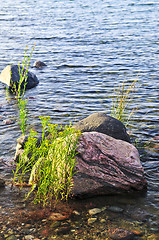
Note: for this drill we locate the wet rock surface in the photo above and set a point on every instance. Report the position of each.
(106, 166)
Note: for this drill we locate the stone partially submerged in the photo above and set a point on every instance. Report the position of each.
(39, 64)
(106, 166)
(100, 122)
(10, 77)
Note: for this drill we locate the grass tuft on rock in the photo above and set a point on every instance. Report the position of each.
(50, 164)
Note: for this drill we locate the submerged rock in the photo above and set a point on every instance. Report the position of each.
(120, 234)
(116, 209)
(95, 211)
(106, 166)
(92, 220)
(100, 122)
(10, 76)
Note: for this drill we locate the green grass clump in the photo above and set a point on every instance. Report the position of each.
(50, 164)
(121, 102)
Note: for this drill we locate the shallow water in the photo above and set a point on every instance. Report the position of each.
(89, 48)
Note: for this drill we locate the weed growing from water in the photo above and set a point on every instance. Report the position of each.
(121, 101)
(19, 90)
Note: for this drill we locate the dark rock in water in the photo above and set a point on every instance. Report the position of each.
(120, 234)
(2, 182)
(39, 64)
(106, 166)
(100, 122)
(10, 76)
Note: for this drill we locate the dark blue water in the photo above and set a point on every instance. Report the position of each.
(90, 47)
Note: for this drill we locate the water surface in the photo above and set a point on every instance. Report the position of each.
(89, 48)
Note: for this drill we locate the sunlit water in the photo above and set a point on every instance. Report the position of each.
(89, 48)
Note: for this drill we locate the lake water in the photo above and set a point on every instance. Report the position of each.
(90, 47)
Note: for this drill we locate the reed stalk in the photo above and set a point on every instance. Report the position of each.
(20, 91)
(121, 102)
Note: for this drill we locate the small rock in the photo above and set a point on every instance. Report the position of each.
(120, 234)
(96, 210)
(102, 220)
(115, 209)
(39, 64)
(44, 220)
(8, 121)
(28, 225)
(76, 213)
(91, 220)
(29, 237)
(58, 216)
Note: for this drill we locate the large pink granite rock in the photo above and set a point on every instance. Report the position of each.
(106, 166)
